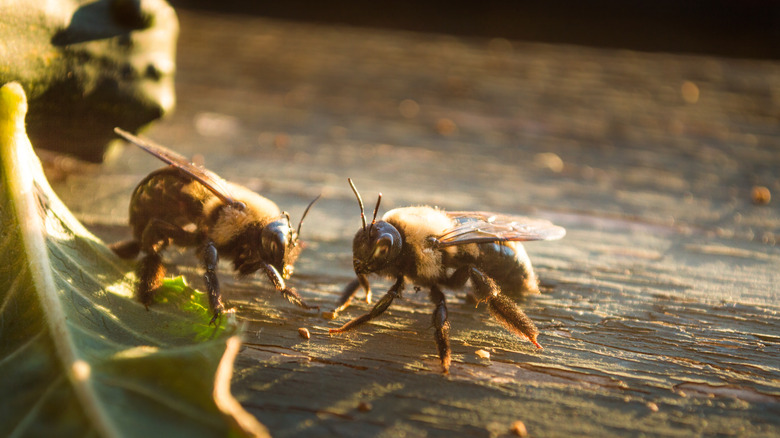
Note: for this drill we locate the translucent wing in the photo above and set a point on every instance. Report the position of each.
(480, 227)
(209, 179)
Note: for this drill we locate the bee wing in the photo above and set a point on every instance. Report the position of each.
(481, 227)
(209, 179)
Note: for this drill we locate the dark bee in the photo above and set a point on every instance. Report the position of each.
(435, 249)
(189, 206)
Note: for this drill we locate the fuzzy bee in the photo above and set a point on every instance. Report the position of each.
(189, 206)
(434, 249)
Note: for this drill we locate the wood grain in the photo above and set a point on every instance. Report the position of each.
(659, 309)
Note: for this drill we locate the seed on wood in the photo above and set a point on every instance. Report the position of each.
(446, 127)
(482, 354)
(760, 195)
(304, 332)
(518, 428)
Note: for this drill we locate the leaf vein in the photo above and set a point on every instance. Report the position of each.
(156, 396)
(11, 292)
(14, 354)
(31, 416)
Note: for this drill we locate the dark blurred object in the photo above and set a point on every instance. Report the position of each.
(736, 28)
(88, 66)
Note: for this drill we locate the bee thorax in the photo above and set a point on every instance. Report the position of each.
(418, 225)
(229, 223)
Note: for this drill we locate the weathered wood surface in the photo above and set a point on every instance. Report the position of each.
(659, 310)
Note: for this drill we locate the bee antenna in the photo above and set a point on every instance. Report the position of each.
(305, 212)
(376, 209)
(360, 202)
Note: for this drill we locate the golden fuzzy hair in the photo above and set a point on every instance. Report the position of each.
(231, 220)
(417, 224)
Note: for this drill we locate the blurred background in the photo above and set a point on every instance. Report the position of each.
(738, 28)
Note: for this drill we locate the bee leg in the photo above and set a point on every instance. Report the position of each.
(346, 296)
(350, 290)
(379, 308)
(458, 278)
(363, 279)
(442, 325)
(150, 270)
(210, 261)
(502, 308)
(289, 293)
(126, 249)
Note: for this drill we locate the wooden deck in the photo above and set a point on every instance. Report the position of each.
(659, 309)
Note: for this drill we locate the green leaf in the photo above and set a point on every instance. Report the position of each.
(78, 355)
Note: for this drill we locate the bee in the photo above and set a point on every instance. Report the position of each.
(435, 249)
(189, 206)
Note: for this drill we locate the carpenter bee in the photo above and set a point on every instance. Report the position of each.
(435, 249)
(189, 206)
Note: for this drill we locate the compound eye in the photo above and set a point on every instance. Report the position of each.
(379, 252)
(382, 247)
(273, 247)
(274, 242)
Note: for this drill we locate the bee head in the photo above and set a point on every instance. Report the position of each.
(278, 245)
(375, 246)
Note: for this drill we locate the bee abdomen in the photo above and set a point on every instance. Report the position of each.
(163, 195)
(508, 264)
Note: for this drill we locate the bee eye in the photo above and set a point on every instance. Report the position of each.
(380, 251)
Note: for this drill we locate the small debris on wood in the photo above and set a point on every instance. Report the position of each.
(519, 429)
(482, 354)
(652, 406)
(690, 92)
(446, 127)
(304, 332)
(329, 315)
(364, 406)
(550, 161)
(760, 195)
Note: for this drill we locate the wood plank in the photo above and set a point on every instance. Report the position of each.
(659, 309)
